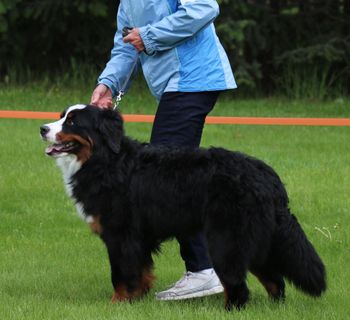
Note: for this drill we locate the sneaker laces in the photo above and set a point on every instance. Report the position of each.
(183, 280)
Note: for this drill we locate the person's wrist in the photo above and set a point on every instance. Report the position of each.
(109, 84)
(103, 87)
(149, 45)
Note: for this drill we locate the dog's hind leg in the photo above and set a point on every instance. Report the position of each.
(237, 294)
(229, 263)
(234, 282)
(271, 280)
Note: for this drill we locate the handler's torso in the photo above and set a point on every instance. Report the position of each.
(198, 64)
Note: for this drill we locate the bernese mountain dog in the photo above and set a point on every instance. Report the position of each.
(135, 196)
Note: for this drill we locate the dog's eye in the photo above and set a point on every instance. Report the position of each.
(70, 122)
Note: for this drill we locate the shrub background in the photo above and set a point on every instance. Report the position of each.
(299, 48)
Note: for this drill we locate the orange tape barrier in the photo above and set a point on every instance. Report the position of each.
(209, 120)
(28, 115)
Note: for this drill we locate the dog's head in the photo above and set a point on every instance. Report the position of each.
(82, 131)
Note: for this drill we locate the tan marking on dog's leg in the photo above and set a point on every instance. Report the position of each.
(270, 287)
(146, 283)
(227, 304)
(96, 226)
(120, 294)
(147, 280)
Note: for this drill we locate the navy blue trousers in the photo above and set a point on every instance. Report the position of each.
(179, 121)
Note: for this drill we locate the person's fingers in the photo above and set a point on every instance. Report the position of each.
(135, 39)
(138, 45)
(104, 105)
(108, 102)
(133, 35)
(98, 93)
(128, 38)
(136, 42)
(102, 96)
(94, 99)
(105, 102)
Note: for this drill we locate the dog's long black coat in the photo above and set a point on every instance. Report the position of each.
(144, 194)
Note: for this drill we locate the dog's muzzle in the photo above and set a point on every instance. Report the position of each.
(44, 131)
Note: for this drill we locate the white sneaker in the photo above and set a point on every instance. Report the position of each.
(193, 285)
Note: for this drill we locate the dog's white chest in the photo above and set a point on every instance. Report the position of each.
(69, 166)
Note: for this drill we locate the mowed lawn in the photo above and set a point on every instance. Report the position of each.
(52, 267)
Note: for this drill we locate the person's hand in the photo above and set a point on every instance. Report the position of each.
(102, 97)
(134, 38)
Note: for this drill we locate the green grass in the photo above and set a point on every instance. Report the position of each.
(52, 267)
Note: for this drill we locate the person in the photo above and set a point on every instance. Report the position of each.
(185, 67)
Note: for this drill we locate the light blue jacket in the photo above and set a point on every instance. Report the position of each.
(183, 51)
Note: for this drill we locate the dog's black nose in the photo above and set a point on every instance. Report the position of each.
(44, 130)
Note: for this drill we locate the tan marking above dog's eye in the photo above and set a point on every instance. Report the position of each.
(70, 122)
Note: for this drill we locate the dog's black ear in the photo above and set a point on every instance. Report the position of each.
(111, 128)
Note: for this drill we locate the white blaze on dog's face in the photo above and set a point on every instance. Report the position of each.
(67, 136)
(56, 127)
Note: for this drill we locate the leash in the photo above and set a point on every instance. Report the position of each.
(118, 99)
(121, 92)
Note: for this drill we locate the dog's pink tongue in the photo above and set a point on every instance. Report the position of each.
(50, 150)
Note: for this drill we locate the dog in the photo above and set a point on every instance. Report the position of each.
(135, 196)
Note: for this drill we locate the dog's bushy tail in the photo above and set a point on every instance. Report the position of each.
(298, 260)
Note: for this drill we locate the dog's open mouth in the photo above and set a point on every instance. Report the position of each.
(59, 148)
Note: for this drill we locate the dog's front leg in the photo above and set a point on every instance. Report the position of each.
(128, 291)
(131, 269)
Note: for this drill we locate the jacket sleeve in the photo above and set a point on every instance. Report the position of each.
(190, 17)
(123, 61)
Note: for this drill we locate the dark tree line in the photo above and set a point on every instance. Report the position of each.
(269, 42)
